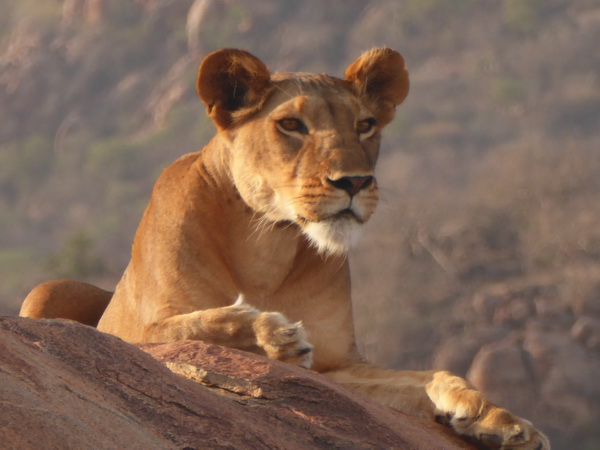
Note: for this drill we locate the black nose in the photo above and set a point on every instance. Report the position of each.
(352, 185)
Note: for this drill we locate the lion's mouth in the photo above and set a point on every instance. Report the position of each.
(343, 214)
(347, 213)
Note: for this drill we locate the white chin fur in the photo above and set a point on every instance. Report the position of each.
(333, 237)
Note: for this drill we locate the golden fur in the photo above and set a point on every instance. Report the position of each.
(267, 211)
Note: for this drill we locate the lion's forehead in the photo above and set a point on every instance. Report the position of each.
(308, 78)
(316, 95)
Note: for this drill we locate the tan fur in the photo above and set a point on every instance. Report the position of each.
(268, 210)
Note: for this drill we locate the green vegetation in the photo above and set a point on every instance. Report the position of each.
(31, 158)
(523, 16)
(19, 266)
(76, 259)
(508, 91)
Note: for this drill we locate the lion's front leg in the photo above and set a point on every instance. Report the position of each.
(238, 326)
(465, 409)
(441, 396)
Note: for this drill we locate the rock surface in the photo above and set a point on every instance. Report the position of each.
(65, 385)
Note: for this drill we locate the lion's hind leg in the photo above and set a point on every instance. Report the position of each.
(66, 299)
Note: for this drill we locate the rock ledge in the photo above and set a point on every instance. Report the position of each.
(65, 385)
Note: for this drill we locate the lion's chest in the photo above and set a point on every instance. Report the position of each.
(296, 282)
(262, 259)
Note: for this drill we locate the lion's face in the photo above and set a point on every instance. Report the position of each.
(305, 152)
(311, 159)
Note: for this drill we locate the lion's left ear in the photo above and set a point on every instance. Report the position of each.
(380, 78)
(231, 83)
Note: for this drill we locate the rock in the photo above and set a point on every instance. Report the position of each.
(87, 11)
(542, 373)
(197, 16)
(569, 389)
(456, 353)
(503, 366)
(69, 386)
(587, 331)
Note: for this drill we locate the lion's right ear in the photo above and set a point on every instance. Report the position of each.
(379, 76)
(232, 82)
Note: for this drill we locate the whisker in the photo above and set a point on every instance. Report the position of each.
(385, 203)
(343, 261)
(259, 225)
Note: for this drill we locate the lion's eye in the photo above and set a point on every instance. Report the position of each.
(366, 126)
(290, 124)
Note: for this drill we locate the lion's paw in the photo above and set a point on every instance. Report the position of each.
(283, 340)
(470, 414)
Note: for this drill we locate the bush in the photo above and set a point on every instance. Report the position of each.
(508, 91)
(76, 258)
(522, 16)
(31, 158)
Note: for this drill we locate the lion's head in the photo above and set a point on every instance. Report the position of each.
(303, 147)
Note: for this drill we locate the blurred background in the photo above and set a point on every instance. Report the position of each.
(484, 256)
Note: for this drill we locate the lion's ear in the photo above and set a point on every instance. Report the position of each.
(232, 82)
(380, 78)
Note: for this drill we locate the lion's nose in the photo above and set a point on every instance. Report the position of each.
(352, 185)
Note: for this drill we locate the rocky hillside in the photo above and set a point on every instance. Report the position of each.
(484, 256)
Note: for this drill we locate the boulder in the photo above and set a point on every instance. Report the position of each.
(542, 373)
(66, 385)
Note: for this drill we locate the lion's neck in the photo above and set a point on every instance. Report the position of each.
(262, 253)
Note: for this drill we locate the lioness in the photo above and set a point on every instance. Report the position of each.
(246, 238)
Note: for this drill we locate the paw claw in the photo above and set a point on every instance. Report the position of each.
(491, 440)
(441, 418)
(304, 351)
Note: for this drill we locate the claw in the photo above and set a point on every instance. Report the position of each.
(491, 440)
(441, 418)
(304, 351)
(444, 418)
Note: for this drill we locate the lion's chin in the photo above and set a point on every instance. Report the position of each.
(334, 236)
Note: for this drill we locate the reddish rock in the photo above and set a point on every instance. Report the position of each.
(65, 385)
